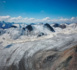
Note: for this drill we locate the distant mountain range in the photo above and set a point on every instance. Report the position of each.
(5, 25)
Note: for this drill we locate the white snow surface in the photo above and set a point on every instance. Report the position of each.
(23, 46)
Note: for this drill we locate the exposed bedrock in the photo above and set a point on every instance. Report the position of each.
(57, 53)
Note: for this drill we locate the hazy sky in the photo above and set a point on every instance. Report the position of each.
(39, 8)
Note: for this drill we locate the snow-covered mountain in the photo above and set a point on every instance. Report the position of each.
(37, 46)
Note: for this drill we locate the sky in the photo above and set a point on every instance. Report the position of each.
(40, 10)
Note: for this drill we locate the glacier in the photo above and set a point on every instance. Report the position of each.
(22, 51)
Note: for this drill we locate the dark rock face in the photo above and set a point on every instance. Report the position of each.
(49, 27)
(56, 25)
(62, 26)
(41, 34)
(29, 27)
(24, 28)
(13, 26)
